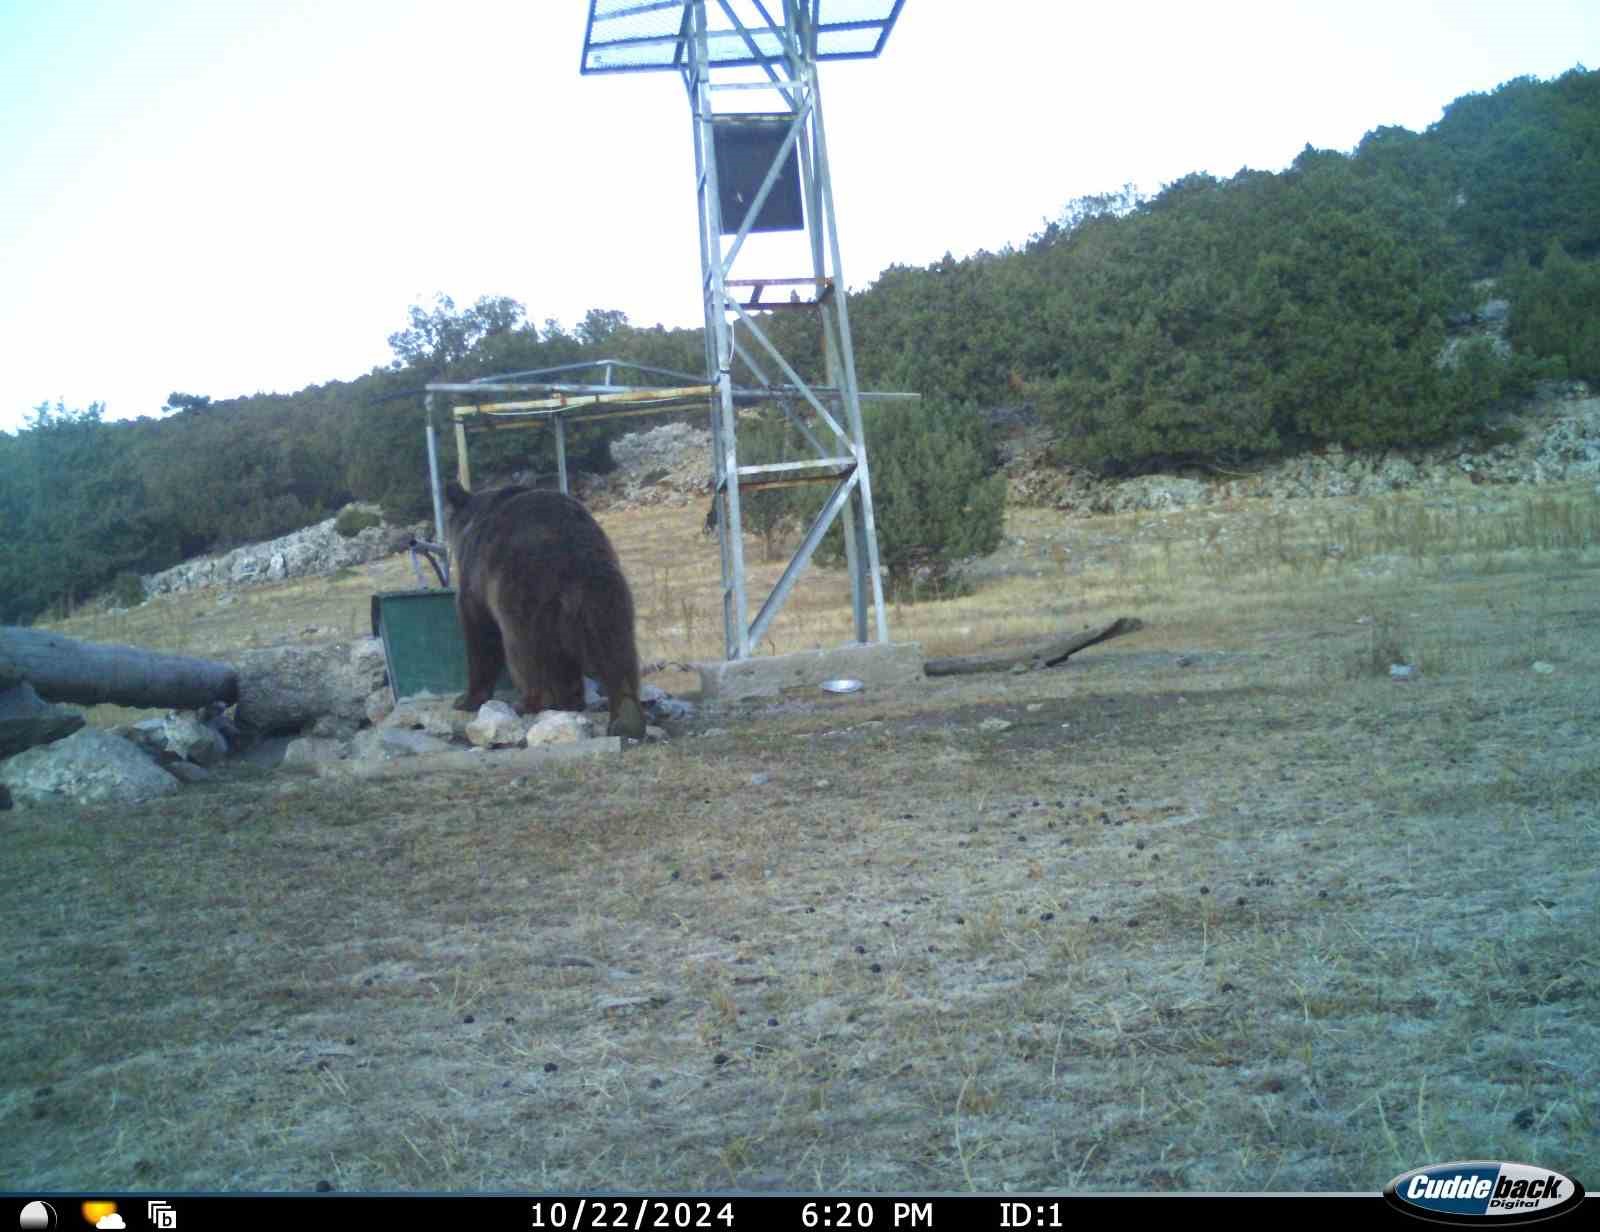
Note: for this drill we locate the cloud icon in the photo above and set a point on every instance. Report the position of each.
(113, 1221)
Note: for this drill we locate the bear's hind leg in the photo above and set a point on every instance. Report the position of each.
(527, 673)
(564, 681)
(485, 657)
(622, 694)
(627, 716)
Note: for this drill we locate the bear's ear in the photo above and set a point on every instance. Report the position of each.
(456, 495)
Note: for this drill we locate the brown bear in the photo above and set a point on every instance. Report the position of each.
(539, 590)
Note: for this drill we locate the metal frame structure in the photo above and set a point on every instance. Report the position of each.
(557, 402)
(770, 46)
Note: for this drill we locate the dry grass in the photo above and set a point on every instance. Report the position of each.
(1225, 908)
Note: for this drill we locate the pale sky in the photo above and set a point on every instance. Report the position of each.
(236, 196)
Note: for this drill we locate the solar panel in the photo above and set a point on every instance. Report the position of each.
(624, 36)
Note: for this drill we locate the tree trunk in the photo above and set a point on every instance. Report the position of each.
(63, 669)
(1043, 654)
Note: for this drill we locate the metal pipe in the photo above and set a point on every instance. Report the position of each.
(433, 468)
(719, 348)
(839, 303)
(802, 557)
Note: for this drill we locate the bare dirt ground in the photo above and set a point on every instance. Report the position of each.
(1224, 907)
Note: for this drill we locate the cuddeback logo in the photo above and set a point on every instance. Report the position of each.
(1483, 1192)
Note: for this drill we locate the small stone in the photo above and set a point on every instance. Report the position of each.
(313, 751)
(1543, 668)
(496, 724)
(379, 705)
(994, 725)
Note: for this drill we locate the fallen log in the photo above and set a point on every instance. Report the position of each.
(1029, 658)
(63, 669)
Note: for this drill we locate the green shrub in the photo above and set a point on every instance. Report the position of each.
(937, 497)
(1555, 312)
(352, 521)
(771, 512)
(1224, 320)
(127, 590)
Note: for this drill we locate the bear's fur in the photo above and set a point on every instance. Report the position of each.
(539, 589)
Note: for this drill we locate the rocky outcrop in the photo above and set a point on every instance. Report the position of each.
(1555, 440)
(667, 465)
(315, 549)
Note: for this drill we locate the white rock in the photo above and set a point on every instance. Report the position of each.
(313, 751)
(388, 743)
(435, 715)
(497, 724)
(559, 727)
(183, 736)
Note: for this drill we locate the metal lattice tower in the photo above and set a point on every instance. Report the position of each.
(755, 172)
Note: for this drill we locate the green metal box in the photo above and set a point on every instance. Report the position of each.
(423, 644)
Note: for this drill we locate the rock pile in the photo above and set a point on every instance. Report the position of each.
(666, 465)
(126, 765)
(314, 549)
(1555, 440)
(333, 698)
